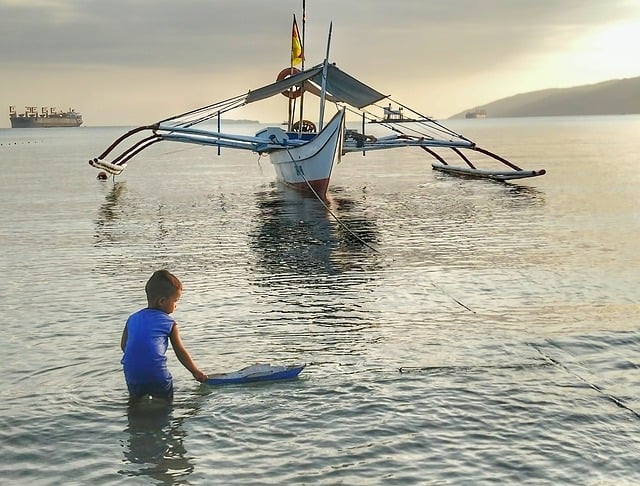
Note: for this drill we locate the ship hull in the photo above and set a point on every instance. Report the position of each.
(45, 122)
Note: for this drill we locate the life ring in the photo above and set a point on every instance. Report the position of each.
(307, 127)
(294, 92)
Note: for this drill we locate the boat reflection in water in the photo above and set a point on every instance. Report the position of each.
(297, 234)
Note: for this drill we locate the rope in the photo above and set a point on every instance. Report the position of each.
(333, 215)
(343, 225)
(618, 401)
(436, 127)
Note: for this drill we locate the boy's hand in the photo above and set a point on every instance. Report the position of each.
(200, 376)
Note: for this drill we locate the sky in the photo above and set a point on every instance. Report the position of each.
(134, 62)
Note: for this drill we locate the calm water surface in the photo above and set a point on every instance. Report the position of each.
(492, 338)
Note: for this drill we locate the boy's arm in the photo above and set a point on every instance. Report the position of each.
(123, 339)
(183, 355)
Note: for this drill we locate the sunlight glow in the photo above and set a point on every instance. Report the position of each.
(611, 51)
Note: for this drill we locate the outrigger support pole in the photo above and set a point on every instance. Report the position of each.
(126, 135)
(497, 157)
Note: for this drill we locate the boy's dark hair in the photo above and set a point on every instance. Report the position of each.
(161, 284)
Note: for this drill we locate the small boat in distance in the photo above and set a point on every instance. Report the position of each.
(476, 114)
(45, 118)
(303, 155)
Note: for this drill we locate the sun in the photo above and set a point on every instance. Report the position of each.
(611, 51)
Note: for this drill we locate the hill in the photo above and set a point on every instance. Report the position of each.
(613, 97)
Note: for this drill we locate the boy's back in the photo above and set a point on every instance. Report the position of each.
(144, 357)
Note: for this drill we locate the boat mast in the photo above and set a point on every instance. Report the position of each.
(292, 109)
(323, 93)
(304, 26)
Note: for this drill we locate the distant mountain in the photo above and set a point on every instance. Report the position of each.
(614, 97)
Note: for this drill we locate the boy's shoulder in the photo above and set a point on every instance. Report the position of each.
(146, 313)
(139, 312)
(150, 314)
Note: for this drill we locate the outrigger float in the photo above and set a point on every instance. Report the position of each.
(303, 155)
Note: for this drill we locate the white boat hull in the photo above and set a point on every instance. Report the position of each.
(308, 167)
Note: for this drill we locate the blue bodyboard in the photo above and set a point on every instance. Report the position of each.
(256, 373)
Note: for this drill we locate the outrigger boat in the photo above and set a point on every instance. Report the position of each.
(303, 155)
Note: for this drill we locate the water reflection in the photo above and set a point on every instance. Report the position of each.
(128, 218)
(109, 213)
(294, 233)
(528, 196)
(156, 443)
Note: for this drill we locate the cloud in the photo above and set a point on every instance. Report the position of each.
(448, 55)
(195, 32)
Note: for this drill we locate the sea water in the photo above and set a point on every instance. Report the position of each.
(459, 332)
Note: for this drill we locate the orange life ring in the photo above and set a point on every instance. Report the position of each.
(285, 73)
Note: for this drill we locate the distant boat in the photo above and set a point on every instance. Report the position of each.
(45, 118)
(476, 114)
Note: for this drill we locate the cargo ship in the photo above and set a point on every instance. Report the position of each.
(45, 118)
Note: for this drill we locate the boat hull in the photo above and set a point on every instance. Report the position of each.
(308, 167)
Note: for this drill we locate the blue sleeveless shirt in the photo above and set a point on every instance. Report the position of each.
(144, 359)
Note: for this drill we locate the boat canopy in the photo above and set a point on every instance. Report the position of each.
(341, 86)
(279, 86)
(348, 89)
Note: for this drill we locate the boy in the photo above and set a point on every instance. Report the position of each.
(144, 341)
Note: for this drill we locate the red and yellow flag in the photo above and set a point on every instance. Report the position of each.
(297, 55)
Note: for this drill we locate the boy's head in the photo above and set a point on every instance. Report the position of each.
(163, 291)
